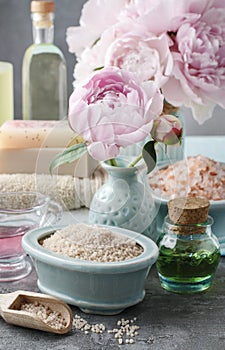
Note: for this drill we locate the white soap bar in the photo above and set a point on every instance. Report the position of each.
(20, 134)
(29, 161)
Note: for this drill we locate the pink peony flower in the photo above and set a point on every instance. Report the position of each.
(198, 79)
(167, 129)
(94, 57)
(142, 53)
(91, 26)
(157, 16)
(178, 44)
(112, 110)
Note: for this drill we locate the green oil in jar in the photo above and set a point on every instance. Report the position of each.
(188, 254)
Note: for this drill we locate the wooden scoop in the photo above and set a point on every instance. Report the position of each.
(10, 310)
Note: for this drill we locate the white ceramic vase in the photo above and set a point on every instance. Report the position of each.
(125, 200)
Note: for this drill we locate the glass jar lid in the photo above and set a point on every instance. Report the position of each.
(188, 210)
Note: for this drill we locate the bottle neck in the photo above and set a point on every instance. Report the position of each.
(43, 28)
(188, 229)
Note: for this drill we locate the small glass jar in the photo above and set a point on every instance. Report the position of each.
(188, 256)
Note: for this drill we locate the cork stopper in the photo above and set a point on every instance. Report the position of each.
(188, 210)
(42, 6)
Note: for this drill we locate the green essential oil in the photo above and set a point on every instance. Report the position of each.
(44, 83)
(44, 76)
(189, 266)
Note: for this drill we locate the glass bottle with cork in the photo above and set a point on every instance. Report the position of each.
(189, 251)
(44, 76)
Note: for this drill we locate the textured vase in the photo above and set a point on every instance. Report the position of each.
(125, 200)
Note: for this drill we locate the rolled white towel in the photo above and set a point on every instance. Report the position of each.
(70, 192)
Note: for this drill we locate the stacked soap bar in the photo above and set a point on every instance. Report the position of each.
(29, 147)
(20, 134)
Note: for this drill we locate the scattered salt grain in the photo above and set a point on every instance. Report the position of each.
(197, 176)
(120, 341)
(82, 325)
(125, 333)
(92, 242)
(53, 318)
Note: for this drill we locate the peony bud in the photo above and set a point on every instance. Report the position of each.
(167, 129)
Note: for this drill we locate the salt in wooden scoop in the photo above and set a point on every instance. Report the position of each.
(59, 315)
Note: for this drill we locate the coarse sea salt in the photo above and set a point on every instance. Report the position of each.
(53, 318)
(92, 242)
(197, 176)
(125, 332)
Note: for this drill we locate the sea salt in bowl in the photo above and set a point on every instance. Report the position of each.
(95, 287)
(195, 176)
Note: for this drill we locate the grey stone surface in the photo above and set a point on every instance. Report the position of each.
(167, 321)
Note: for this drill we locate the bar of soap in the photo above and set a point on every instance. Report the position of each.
(20, 134)
(29, 161)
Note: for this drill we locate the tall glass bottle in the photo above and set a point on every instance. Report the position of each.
(44, 80)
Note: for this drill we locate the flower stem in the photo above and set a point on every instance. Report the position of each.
(113, 162)
(135, 161)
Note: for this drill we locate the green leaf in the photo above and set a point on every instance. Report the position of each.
(98, 68)
(95, 42)
(149, 155)
(68, 156)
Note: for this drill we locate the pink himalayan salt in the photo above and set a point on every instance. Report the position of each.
(196, 176)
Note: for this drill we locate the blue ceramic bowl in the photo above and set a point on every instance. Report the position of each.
(95, 287)
(216, 211)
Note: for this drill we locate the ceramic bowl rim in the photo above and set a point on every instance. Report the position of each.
(31, 245)
(163, 200)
